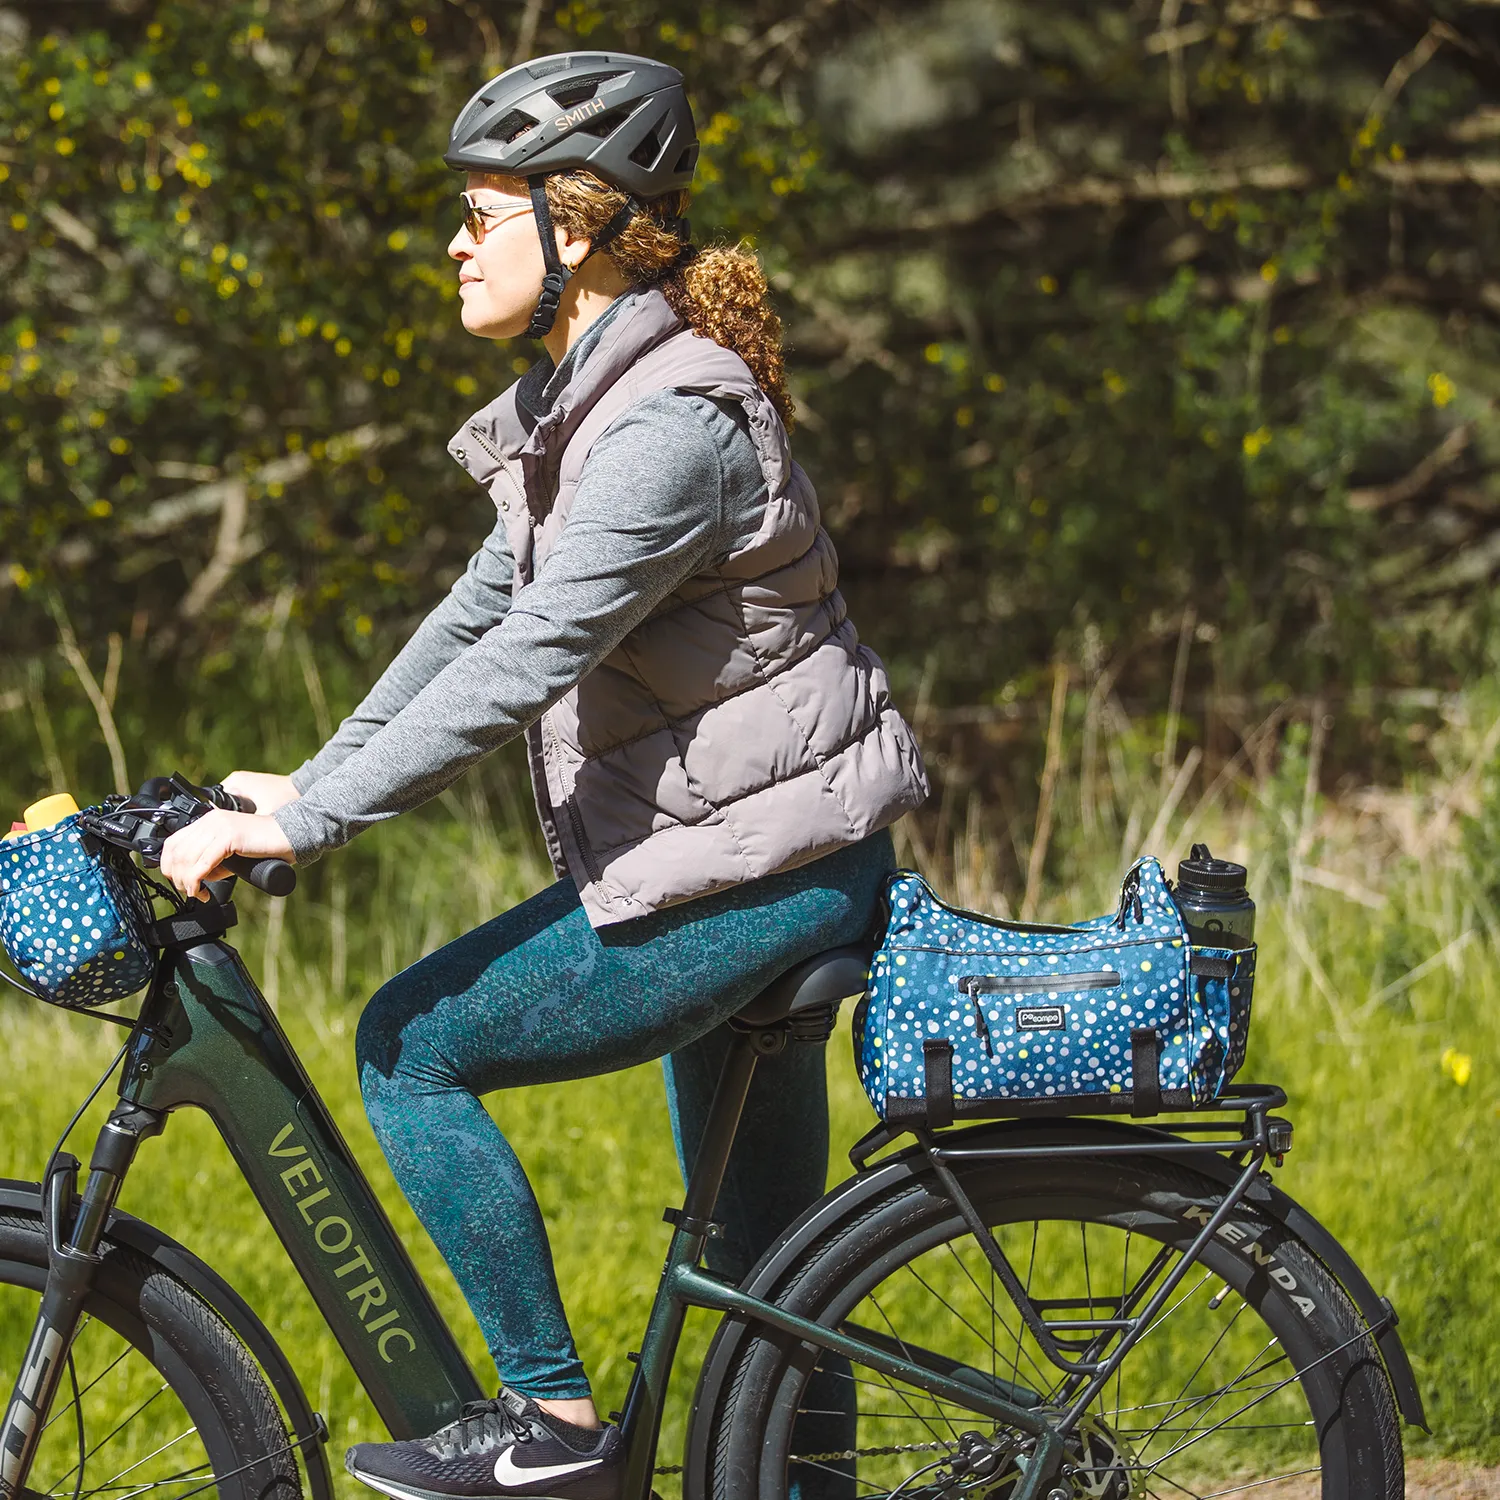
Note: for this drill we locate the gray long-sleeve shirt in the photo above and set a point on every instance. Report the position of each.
(672, 484)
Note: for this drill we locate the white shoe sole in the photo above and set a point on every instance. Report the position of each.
(402, 1492)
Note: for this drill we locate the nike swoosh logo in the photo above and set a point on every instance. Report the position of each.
(508, 1472)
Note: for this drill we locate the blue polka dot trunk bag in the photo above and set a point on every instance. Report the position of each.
(72, 918)
(967, 1015)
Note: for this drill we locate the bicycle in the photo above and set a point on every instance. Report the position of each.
(1036, 1307)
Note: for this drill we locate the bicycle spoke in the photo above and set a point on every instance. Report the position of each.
(1197, 1369)
(1021, 1324)
(1124, 1292)
(1195, 1404)
(114, 1481)
(1043, 1377)
(113, 1364)
(809, 1463)
(115, 1431)
(899, 1394)
(1256, 1484)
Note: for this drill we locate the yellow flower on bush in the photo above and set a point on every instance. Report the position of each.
(1458, 1066)
(1443, 390)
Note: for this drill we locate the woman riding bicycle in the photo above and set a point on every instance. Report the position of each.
(715, 756)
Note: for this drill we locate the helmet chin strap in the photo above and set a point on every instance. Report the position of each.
(558, 275)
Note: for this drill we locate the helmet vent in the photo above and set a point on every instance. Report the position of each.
(649, 149)
(547, 68)
(511, 128)
(566, 95)
(605, 124)
(688, 160)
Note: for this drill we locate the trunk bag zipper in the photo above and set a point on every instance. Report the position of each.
(1041, 984)
(975, 985)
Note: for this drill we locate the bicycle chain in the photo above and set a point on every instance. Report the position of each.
(829, 1458)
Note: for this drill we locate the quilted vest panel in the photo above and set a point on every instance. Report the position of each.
(741, 729)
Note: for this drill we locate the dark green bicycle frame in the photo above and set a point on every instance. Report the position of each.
(207, 1038)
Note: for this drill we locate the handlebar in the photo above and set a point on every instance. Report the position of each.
(273, 876)
(165, 804)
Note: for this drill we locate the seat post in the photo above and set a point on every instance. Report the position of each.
(719, 1129)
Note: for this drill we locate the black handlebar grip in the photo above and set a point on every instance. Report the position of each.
(273, 876)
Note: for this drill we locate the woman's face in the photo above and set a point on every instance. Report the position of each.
(499, 278)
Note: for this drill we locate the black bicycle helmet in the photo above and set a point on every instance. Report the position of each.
(626, 119)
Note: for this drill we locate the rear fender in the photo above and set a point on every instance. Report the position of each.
(853, 1197)
(151, 1244)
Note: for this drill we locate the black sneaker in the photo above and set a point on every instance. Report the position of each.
(507, 1446)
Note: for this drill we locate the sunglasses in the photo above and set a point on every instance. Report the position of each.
(475, 215)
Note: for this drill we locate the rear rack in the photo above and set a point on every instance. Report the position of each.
(1088, 1338)
(1238, 1121)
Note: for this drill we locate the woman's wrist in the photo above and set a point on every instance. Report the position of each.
(267, 790)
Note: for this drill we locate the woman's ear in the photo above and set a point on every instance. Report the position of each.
(572, 251)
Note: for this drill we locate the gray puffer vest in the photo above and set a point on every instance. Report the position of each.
(741, 729)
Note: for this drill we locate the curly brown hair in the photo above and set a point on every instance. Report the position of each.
(721, 293)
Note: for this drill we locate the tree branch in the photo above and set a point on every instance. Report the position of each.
(229, 551)
(1409, 486)
(204, 499)
(67, 643)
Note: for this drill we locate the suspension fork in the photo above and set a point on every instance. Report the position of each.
(73, 1260)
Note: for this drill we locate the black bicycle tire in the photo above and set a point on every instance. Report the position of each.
(762, 1387)
(197, 1354)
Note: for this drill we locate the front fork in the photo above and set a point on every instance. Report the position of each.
(72, 1261)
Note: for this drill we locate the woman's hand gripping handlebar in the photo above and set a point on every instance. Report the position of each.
(270, 871)
(200, 834)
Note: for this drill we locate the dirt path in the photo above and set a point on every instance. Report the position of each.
(1433, 1479)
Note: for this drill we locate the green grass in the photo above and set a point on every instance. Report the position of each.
(1377, 1009)
(1393, 1154)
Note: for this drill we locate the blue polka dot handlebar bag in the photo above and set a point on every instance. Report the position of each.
(71, 920)
(967, 1015)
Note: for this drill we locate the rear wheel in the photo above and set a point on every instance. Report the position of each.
(159, 1397)
(1257, 1375)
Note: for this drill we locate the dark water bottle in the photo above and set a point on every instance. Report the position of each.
(1213, 900)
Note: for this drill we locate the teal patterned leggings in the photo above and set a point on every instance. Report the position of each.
(538, 996)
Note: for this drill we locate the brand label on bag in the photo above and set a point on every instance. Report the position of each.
(1040, 1018)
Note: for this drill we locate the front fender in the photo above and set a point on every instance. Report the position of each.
(856, 1194)
(150, 1243)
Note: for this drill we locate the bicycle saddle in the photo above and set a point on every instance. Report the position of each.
(817, 982)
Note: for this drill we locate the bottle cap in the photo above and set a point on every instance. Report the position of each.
(48, 811)
(1206, 873)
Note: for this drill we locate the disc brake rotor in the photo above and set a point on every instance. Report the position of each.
(1097, 1465)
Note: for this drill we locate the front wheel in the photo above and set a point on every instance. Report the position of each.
(1256, 1376)
(159, 1397)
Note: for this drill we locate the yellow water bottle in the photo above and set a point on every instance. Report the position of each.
(48, 811)
(44, 814)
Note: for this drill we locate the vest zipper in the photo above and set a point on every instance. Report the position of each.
(483, 442)
(570, 806)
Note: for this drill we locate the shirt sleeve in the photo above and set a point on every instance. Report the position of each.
(647, 514)
(477, 602)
